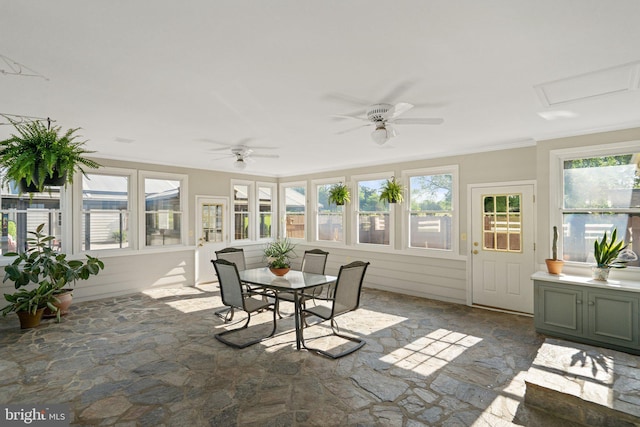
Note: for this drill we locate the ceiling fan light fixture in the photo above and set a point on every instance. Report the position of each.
(380, 135)
(240, 164)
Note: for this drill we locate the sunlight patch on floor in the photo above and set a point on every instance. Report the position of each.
(188, 306)
(505, 405)
(380, 321)
(428, 354)
(169, 292)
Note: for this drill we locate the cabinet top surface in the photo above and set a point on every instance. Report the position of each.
(622, 285)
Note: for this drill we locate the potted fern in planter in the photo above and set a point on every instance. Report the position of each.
(554, 265)
(49, 271)
(339, 194)
(392, 191)
(38, 156)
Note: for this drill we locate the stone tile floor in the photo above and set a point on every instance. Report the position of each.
(592, 385)
(151, 360)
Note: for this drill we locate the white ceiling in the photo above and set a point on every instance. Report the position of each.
(158, 80)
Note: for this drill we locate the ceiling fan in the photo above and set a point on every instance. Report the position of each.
(243, 154)
(383, 115)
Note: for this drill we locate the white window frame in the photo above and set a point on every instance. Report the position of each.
(315, 184)
(132, 191)
(184, 198)
(282, 229)
(355, 211)
(406, 208)
(556, 187)
(274, 210)
(251, 206)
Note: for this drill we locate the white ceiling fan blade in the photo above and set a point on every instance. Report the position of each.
(391, 131)
(265, 156)
(350, 116)
(418, 121)
(395, 93)
(397, 110)
(228, 156)
(351, 129)
(220, 149)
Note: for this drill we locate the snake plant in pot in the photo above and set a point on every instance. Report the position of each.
(39, 156)
(46, 273)
(608, 253)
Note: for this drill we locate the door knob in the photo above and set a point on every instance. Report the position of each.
(475, 252)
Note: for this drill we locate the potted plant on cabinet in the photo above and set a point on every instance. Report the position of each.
(278, 255)
(49, 271)
(608, 253)
(392, 191)
(40, 156)
(339, 194)
(554, 265)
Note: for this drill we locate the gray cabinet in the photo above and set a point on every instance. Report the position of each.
(606, 317)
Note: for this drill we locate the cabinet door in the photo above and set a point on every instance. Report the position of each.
(613, 318)
(558, 309)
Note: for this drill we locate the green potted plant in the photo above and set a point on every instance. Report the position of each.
(339, 194)
(49, 271)
(607, 253)
(278, 255)
(29, 305)
(554, 265)
(39, 156)
(392, 191)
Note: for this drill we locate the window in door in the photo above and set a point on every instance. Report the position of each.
(212, 215)
(502, 223)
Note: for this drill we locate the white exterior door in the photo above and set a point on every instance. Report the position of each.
(503, 258)
(212, 219)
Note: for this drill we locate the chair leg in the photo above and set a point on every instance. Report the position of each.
(225, 314)
(220, 337)
(334, 328)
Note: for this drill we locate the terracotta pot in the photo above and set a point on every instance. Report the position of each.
(63, 305)
(554, 266)
(279, 271)
(29, 320)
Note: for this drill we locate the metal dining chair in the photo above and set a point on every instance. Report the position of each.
(235, 296)
(346, 298)
(236, 256)
(313, 261)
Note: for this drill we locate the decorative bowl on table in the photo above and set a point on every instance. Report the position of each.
(279, 271)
